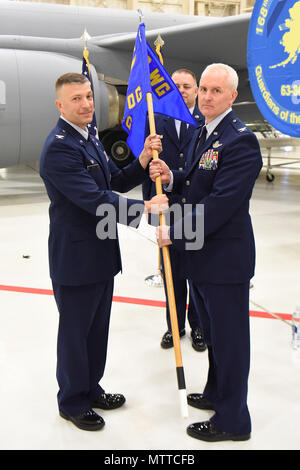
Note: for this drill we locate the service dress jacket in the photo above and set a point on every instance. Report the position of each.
(218, 181)
(80, 179)
(174, 153)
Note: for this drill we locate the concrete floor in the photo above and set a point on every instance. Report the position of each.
(137, 366)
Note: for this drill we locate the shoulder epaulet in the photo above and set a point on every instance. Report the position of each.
(60, 135)
(240, 126)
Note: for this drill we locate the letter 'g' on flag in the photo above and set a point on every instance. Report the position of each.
(148, 75)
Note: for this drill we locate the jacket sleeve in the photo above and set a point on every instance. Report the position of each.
(65, 171)
(123, 180)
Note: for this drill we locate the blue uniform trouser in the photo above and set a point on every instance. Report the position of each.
(84, 314)
(181, 296)
(226, 332)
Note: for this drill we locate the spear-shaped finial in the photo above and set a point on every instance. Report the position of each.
(141, 16)
(159, 41)
(85, 37)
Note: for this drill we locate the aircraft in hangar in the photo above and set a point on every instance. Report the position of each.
(39, 42)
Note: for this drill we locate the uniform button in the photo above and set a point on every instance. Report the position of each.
(183, 200)
(187, 182)
(181, 155)
(181, 169)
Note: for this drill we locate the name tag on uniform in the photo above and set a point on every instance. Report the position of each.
(92, 164)
(209, 160)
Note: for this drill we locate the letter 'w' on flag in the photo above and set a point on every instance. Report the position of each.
(92, 126)
(149, 75)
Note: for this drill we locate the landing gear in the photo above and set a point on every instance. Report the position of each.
(270, 177)
(114, 143)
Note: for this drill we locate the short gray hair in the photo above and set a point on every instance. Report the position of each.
(232, 75)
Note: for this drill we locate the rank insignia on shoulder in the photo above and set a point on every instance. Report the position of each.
(58, 136)
(242, 129)
(107, 158)
(217, 144)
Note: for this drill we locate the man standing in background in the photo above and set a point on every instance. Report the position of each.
(176, 139)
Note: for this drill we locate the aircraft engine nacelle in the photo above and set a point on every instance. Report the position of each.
(27, 101)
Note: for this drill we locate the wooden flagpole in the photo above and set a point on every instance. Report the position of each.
(169, 283)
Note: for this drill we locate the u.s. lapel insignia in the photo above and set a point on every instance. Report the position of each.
(217, 144)
(94, 140)
(58, 136)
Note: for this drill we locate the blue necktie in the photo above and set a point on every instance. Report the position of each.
(202, 139)
(183, 132)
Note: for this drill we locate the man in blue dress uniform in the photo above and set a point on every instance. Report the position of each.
(84, 256)
(222, 167)
(176, 139)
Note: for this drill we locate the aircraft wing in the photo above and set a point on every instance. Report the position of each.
(216, 40)
(191, 45)
(38, 42)
(194, 46)
(188, 39)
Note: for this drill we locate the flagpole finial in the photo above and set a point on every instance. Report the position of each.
(159, 40)
(141, 16)
(85, 37)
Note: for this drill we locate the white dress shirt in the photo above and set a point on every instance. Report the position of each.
(83, 132)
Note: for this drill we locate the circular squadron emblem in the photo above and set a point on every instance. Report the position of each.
(274, 62)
